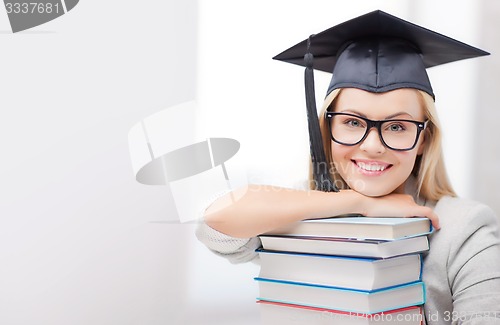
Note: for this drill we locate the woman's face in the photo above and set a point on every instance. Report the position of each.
(370, 167)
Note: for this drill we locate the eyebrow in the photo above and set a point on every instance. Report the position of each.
(386, 118)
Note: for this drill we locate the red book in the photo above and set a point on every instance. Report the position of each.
(273, 313)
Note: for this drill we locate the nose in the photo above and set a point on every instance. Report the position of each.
(372, 143)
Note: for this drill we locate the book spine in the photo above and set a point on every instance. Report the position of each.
(417, 302)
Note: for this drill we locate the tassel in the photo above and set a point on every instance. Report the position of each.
(321, 177)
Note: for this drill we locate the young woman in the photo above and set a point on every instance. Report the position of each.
(382, 144)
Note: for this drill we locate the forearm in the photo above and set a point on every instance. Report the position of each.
(256, 209)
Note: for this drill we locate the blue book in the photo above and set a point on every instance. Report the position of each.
(358, 227)
(348, 300)
(357, 273)
(346, 246)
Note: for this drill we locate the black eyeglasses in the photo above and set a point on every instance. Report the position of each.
(349, 129)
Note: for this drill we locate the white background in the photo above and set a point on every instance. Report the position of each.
(81, 242)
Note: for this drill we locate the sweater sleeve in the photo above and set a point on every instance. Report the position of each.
(236, 250)
(474, 270)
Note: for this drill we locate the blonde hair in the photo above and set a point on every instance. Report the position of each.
(429, 170)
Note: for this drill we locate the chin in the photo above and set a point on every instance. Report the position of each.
(372, 191)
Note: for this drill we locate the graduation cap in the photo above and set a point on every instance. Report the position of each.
(376, 52)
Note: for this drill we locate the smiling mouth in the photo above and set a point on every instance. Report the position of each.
(371, 167)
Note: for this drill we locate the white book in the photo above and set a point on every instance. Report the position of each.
(338, 271)
(277, 313)
(357, 227)
(356, 301)
(346, 246)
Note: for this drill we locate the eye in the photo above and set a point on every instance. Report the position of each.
(354, 123)
(396, 127)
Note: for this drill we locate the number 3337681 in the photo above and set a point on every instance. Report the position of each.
(32, 8)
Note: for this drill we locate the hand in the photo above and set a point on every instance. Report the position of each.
(397, 205)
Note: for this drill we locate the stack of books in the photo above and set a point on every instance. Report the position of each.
(344, 270)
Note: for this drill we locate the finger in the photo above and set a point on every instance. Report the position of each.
(429, 213)
(435, 221)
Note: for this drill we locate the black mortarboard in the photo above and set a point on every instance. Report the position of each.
(376, 52)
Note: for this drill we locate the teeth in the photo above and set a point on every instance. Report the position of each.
(371, 168)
